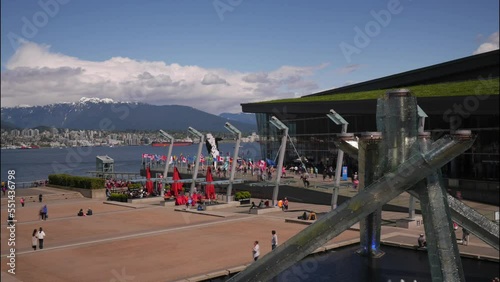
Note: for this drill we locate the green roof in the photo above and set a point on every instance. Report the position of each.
(462, 88)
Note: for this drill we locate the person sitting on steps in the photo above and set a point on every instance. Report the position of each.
(261, 204)
(89, 212)
(80, 213)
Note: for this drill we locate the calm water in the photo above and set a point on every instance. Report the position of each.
(37, 164)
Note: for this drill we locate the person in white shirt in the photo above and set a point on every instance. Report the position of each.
(256, 250)
(274, 240)
(40, 235)
(34, 239)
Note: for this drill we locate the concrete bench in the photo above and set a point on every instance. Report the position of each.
(264, 210)
(410, 223)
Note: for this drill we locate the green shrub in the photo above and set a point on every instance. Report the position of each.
(242, 195)
(135, 186)
(118, 197)
(76, 181)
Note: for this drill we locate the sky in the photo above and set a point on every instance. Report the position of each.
(214, 55)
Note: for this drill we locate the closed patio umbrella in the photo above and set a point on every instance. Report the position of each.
(176, 186)
(209, 187)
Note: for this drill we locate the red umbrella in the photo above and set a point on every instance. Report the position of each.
(209, 187)
(149, 183)
(176, 186)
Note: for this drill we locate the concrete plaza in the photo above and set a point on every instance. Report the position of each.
(149, 242)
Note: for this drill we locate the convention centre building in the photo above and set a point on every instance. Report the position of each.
(458, 94)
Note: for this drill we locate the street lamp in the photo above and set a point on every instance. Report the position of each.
(197, 161)
(421, 119)
(169, 155)
(338, 120)
(280, 126)
(236, 132)
(421, 123)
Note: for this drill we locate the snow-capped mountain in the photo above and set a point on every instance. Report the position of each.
(105, 114)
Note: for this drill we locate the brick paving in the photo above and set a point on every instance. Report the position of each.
(156, 243)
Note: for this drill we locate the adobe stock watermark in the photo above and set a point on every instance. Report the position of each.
(223, 6)
(32, 25)
(373, 28)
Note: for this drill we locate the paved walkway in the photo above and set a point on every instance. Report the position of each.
(156, 243)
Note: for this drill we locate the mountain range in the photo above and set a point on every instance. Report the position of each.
(105, 114)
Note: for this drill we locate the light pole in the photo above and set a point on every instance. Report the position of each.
(421, 122)
(338, 120)
(236, 132)
(197, 161)
(280, 126)
(171, 139)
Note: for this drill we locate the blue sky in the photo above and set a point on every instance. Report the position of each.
(234, 51)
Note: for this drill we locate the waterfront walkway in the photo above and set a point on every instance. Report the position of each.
(156, 243)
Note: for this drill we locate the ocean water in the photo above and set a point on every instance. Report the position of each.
(37, 164)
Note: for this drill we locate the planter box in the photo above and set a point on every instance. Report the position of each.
(244, 201)
(99, 194)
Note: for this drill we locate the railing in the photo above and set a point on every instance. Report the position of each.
(31, 184)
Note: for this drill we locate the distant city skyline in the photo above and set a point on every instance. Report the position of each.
(215, 55)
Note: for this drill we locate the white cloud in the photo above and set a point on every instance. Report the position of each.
(210, 79)
(34, 75)
(490, 44)
(348, 69)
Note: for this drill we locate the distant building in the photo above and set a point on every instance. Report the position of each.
(312, 132)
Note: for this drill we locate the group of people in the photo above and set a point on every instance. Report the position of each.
(261, 205)
(283, 204)
(308, 216)
(37, 238)
(256, 247)
(81, 213)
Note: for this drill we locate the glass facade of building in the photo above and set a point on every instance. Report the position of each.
(312, 135)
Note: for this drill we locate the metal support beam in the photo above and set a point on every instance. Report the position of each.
(169, 155)
(462, 214)
(414, 169)
(197, 161)
(282, 127)
(369, 170)
(235, 131)
(442, 250)
(338, 120)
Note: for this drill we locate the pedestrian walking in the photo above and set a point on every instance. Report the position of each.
(44, 212)
(256, 250)
(34, 239)
(465, 236)
(274, 240)
(40, 198)
(40, 235)
(22, 202)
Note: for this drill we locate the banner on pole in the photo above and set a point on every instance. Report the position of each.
(344, 173)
